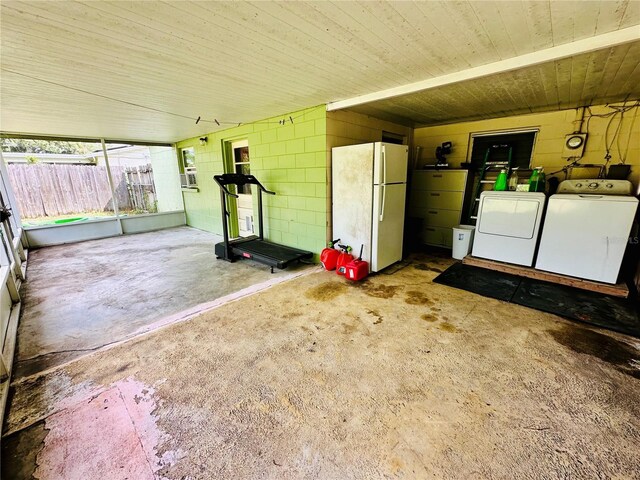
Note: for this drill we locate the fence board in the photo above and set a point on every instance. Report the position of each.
(53, 189)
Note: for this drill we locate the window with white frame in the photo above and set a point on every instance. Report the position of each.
(188, 168)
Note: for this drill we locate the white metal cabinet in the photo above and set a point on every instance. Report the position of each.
(437, 198)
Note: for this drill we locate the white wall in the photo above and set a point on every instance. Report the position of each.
(47, 235)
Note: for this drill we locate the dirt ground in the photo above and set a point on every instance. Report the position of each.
(318, 378)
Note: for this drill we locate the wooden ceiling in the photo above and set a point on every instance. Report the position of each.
(147, 70)
(605, 76)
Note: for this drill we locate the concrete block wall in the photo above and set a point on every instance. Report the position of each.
(290, 159)
(547, 150)
(351, 128)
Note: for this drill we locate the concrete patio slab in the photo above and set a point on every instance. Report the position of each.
(80, 297)
(393, 377)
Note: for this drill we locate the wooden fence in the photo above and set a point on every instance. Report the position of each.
(52, 189)
(141, 188)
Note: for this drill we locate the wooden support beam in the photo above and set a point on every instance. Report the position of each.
(586, 45)
(619, 290)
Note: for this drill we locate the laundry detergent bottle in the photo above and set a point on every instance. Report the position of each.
(537, 181)
(501, 181)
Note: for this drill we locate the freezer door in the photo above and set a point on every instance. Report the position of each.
(390, 163)
(388, 225)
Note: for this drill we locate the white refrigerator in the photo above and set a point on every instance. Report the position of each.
(369, 184)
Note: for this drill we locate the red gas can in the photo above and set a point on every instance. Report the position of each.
(344, 258)
(329, 256)
(357, 269)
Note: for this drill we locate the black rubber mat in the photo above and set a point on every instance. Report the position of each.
(488, 283)
(613, 313)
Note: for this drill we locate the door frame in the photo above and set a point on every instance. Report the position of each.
(228, 146)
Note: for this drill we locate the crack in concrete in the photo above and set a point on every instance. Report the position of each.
(57, 352)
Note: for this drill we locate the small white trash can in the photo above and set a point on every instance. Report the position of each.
(462, 241)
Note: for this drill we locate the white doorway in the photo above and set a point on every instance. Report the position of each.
(241, 164)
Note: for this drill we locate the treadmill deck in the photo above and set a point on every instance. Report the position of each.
(271, 254)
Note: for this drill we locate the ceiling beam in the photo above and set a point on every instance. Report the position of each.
(59, 138)
(598, 42)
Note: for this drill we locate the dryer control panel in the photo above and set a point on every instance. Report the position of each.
(596, 186)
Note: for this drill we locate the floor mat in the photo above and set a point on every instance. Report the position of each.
(488, 283)
(614, 313)
(605, 311)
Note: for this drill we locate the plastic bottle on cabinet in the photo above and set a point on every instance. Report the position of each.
(501, 181)
(513, 181)
(537, 181)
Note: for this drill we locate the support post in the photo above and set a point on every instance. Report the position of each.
(8, 239)
(11, 198)
(113, 190)
(10, 244)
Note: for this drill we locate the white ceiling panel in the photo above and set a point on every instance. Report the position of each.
(592, 78)
(147, 70)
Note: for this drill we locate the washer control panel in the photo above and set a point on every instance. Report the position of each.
(598, 186)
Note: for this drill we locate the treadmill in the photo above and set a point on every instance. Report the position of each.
(253, 247)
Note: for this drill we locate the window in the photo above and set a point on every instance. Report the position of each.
(242, 164)
(520, 142)
(188, 168)
(389, 137)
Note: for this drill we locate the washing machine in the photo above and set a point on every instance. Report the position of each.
(586, 229)
(508, 226)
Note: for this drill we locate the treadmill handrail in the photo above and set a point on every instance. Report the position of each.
(224, 188)
(238, 179)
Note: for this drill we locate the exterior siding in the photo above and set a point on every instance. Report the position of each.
(547, 151)
(290, 159)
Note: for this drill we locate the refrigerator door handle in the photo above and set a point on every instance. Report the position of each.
(383, 198)
(384, 166)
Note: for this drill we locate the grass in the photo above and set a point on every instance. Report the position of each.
(50, 220)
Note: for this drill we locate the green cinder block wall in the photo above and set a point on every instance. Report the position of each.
(290, 159)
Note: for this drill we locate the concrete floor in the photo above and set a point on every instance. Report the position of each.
(395, 377)
(83, 296)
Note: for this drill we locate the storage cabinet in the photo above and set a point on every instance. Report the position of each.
(436, 202)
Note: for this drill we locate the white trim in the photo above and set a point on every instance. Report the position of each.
(9, 354)
(239, 144)
(5, 270)
(505, 132)
(598, 42)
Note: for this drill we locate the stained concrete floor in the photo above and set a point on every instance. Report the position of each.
(395, 377)
(83, 296)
